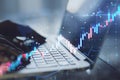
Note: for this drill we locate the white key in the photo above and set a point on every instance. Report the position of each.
(63, 63)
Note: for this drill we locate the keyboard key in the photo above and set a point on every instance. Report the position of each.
(66, 57)
(49, 58)
(57, 55)
(51, 62)
(37, 58)
(63, 63)
(37, 55)
(39, 61)
(60, 60)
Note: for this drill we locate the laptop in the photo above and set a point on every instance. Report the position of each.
(77, 46)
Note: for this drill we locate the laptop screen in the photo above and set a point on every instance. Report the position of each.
(86, 32)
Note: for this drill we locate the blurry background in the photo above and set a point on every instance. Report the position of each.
(45, 16)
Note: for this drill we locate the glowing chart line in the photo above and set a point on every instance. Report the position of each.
(95, 29)
(13, 65)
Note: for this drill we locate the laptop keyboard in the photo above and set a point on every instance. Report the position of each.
(49, 57)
